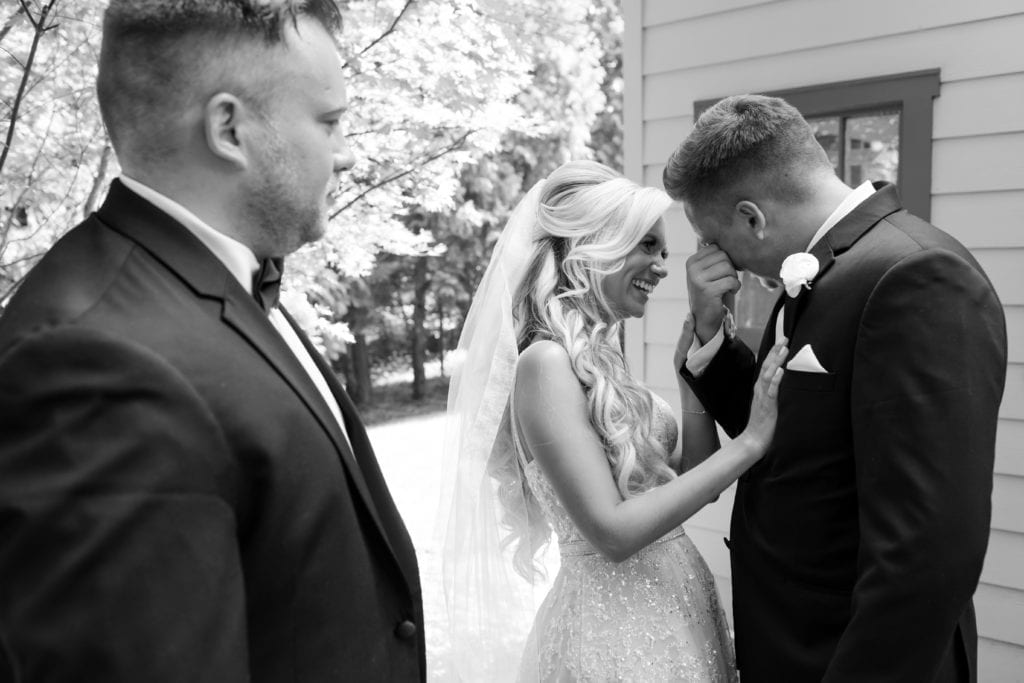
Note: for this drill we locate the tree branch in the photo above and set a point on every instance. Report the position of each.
(98, 179)
(390, 29)
(40, 28)
(390, 179)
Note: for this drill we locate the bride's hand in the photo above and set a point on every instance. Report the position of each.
(764, 409)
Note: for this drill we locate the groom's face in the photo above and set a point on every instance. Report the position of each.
(736, 233)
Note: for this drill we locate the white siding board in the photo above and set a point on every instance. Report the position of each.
(1010, 449)
(664, 320)
(980, 106)
(1015, 332)
(1008, 503)
(1000, 662)
(1012, 407)
(1005, 268)
(632, 133)
(982, 219)
(662, 136)
(664, 11)
(978, 164)
(711, 39)
(999, 613)
(658, 361)
(652, 173)
(985, 48)
(1004, 560)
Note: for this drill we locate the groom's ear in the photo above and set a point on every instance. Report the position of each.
(750, 216)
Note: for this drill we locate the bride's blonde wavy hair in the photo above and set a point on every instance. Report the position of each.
(588, 220)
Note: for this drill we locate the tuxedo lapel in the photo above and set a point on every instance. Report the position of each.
(184, 255)
(354, 458)
(840, 238)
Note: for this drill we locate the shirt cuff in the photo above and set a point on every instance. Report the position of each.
(699, 357)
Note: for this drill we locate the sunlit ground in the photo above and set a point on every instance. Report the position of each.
(409, 452)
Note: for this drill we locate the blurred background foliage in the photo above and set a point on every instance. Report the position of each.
(457, 108)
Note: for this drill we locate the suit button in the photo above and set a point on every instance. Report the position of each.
(405, 630)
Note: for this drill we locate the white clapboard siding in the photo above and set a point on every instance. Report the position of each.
(658, 12)
(983, 49)
(1010, 449)
(1015, 332)
(1012, 407)
(1004, 560)
(1008, 503)
(990, 219)
(999, 611)
(999, 662)
(1005, 268)
(661, 137)
(709, 38)
(960, 109)
(978, 164)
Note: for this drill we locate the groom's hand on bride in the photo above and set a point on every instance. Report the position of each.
(710, 279)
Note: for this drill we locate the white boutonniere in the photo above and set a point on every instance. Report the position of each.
(797, 271)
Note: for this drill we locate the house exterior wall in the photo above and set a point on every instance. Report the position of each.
(678, 53)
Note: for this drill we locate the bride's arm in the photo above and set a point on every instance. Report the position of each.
(551, 410)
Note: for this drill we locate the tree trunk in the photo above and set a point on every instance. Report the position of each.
(360, 387)
(419, 332)
(440, 332)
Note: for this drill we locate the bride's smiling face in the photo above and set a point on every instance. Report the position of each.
(628, 290)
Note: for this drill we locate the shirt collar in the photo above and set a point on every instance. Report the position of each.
(236, 257)
(852, 201)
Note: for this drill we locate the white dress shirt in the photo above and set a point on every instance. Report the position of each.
(242, 264)
(699, 357)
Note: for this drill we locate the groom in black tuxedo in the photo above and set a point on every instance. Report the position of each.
(186, 491)
(858, 540)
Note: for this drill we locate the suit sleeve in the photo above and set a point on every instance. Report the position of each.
(929, 369)
(726, 387)
(118, 555)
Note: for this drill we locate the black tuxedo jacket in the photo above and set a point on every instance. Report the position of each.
(177, 502)
(857, 541)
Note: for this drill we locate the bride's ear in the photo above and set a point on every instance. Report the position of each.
(751, 218)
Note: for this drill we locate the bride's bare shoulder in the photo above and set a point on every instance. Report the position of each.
(544, 367)
(544, 355)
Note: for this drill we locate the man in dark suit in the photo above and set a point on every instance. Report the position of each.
(186, 491)
(857, 541)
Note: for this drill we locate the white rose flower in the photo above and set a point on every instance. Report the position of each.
(797, 271)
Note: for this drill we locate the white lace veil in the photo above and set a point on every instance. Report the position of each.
(489, 606)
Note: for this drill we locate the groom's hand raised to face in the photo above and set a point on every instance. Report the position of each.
(710, 278)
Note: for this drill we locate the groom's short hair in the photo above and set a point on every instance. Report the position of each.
(159, 57)
(744, 141)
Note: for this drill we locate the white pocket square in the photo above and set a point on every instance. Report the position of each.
(805, 361)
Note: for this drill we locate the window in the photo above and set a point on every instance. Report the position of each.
(872, 129)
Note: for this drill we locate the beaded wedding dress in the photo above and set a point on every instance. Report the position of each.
(654, 617)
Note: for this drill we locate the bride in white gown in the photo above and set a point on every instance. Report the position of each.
(549, 432)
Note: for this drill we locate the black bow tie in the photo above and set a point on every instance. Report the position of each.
(266, 283)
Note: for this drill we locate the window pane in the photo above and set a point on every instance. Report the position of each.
(826, 131)
(872, 147)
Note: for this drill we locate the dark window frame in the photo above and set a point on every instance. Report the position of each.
(911, 92)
